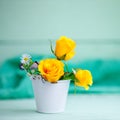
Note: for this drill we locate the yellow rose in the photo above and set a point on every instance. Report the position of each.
(51, 69)
(84, 78)
(64, 49)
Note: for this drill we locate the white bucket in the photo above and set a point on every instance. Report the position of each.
(50, 97)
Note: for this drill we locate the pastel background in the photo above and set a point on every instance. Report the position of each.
(26, 26)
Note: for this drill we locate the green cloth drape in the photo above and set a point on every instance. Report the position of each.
(15, 84)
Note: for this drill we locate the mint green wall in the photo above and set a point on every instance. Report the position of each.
(44, 19)
(26, 26)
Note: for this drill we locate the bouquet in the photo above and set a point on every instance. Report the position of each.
(56, 69)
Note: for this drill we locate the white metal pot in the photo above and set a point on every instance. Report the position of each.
(50, 97)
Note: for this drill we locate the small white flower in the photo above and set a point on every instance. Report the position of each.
(25, 59)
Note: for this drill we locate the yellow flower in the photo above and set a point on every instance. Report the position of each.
(84, 78)
(64, 49)
(51, 69)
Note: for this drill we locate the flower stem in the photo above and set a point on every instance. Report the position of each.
(75, 89)
(66, 66)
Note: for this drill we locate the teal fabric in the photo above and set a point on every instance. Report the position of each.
(14, 83)
(106, 76)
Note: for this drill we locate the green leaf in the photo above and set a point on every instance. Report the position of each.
(51, 48)
(68, 76)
